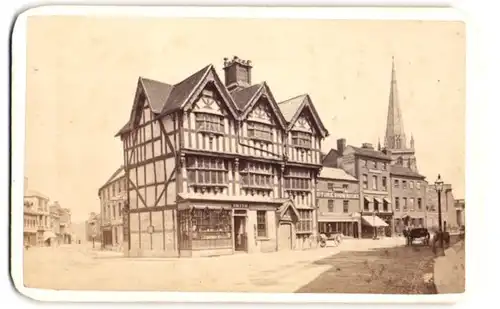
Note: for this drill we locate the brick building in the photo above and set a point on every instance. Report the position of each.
(338, 203)
(112, 195)
(61, 223)
(215, 167)
(372, 169)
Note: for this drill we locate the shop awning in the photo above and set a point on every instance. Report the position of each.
(48, 234)
(378, 200)
(373, 221)
(388, 201)
(368, 199)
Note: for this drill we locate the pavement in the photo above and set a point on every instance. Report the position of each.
(449, 270)
(80, 267)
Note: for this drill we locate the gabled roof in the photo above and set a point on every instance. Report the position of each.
(404, 171)
(165, 98)
(372, 153)
(120, 172)
(263, 89)
(335, 173)
(243, 96)
(183, 90)
(292, 108)
(156, 92)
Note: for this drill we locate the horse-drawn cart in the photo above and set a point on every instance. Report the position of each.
(330, 240)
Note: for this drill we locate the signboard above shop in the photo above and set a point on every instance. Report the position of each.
(240, 206)
(337, 195)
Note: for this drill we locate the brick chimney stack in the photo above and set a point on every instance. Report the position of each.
(341, 144)
(238, 73)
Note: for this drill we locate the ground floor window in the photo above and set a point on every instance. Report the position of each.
(205, 229)
(261, 223)
(346, 228)
(305, 224)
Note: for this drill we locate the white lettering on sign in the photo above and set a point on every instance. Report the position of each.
(240, 206)
(330, 194)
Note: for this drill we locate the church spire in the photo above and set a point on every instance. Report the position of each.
(394, 134)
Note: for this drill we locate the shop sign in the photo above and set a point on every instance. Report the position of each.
(240, 206)
(337, 195)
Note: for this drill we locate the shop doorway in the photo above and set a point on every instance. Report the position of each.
(240, 234)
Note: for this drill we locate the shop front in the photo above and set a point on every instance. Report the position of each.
(213, 226)
(346, 225)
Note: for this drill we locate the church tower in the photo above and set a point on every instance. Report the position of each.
(395, 137)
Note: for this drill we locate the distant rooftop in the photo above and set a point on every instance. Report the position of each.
(335, 173)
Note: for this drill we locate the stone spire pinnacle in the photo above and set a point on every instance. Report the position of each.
(394, 134)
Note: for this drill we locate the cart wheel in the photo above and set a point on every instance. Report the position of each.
(322, 244)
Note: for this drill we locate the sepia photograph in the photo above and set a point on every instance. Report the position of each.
(262, 155)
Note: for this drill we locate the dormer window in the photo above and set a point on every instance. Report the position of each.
(209, 123)
(260, 131)
(301, 139)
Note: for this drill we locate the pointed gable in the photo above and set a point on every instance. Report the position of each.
(263, 92)
(211, 77)
(243, 96)
(165, 98)
(156, 93)
(293, 108)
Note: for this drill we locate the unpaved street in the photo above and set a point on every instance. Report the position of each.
(78, 267)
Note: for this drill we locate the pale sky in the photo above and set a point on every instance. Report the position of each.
(82, 75)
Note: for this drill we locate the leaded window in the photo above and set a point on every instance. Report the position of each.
(260, 131)
(305, 224)
(298, 179)
(257, 174)
(206, 171)
(209, 123)
(301, 139)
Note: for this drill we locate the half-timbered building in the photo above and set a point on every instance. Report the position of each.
(215, 167)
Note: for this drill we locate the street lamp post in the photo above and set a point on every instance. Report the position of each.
(375, 212)
(439, 188)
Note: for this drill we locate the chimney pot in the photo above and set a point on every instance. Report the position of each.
(237, 74)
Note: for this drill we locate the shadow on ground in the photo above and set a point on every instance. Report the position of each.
(397, 270)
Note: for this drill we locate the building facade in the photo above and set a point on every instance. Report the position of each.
(460, 211)
(338, 203)
(30, 224)
(409, 191)
(60, 223)
(448, 211)
(372, 169)
(93, 229)
(113, 196)
(36, 207)
(214, 168)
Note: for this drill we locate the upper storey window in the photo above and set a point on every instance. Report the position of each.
(206, 171)
(301, 139)
(298, 180)
(260, 131)
(257, 175)
(209, 123)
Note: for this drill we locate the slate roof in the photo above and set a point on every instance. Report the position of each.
(289, 107)
(243, 96)
(404, 171)
(335, 173)
(372, 153)
(166, 98)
